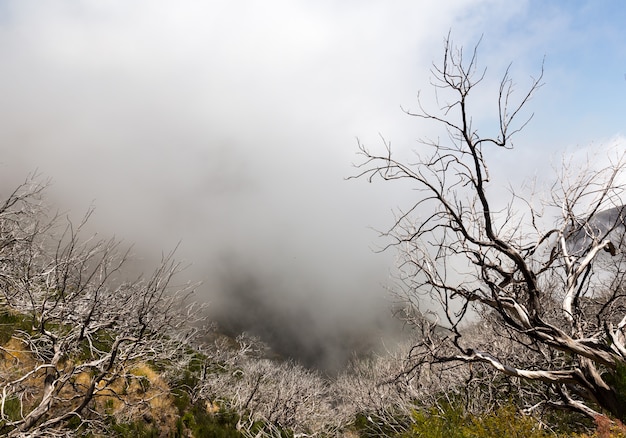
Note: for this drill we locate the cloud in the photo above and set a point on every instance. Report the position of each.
(230, 126)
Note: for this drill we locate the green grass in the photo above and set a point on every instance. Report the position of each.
(12, 409)
(222, 424)
(10, 322)
(136, 429)
(453, 422)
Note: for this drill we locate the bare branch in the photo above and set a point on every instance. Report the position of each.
(549, 289)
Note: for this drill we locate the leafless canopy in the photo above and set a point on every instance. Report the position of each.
(543, 278)
(81, 332)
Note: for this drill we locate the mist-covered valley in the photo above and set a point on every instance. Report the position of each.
(229, 132)
(219, 142)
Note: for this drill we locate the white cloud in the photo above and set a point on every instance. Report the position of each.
(231, 124)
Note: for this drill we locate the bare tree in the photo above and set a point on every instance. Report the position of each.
(86, 333)
(269, 396)
(364, 389)
(552, 293)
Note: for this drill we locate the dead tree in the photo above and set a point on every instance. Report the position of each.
(549, 275)
(85, 333)
(269, 396)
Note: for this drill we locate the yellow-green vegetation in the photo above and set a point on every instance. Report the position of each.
(607, 428)
(448, 421)
(453, 422)
(165, 407)
(10, 322)
(158, 408)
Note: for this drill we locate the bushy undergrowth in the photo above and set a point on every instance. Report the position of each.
(10, 322)
(83, 355)
(453, 422)
(200, 423)
(199, 417)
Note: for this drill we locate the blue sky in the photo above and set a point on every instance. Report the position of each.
(231, 125)
(585, 70)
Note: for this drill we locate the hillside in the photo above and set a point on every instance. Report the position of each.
(232, 390)
(88, 352)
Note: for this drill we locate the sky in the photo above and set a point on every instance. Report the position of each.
(231, 127)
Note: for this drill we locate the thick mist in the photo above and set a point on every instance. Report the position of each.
(228, 129)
